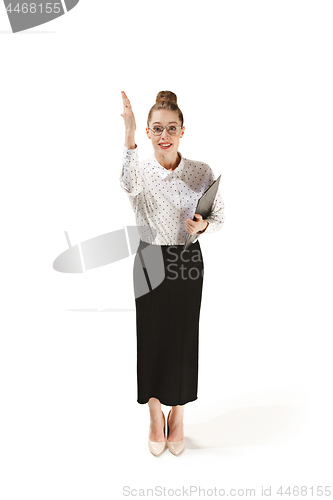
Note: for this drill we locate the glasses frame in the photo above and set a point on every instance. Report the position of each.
(179, 127)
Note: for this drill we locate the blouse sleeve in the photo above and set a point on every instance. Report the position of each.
(216, 217)
(131, 179)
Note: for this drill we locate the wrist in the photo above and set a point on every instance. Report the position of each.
(130, 134)
(130, 138)
(204, 229)
(130, 144)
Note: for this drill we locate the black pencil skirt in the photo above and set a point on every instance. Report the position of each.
(168, 287)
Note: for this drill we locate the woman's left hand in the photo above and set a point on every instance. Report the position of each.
(192, 226)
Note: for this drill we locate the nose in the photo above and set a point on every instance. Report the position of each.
(164, 133)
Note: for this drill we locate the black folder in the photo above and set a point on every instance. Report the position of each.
(204, 208)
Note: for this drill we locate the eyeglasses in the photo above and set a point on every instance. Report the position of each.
(171, 129)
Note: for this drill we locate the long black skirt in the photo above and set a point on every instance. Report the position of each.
(168, 287)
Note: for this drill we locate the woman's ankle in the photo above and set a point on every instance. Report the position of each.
(177, 413)
(155, 410)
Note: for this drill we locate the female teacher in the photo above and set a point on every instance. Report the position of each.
(163, 191)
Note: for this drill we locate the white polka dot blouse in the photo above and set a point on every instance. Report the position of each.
(163, 199)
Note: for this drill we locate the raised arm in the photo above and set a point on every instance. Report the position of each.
(130, 178)
(129, 120)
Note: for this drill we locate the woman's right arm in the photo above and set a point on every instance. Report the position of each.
(130, 178)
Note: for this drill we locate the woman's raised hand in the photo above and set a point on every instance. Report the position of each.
(128, 115)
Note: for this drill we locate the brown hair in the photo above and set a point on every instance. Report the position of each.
(166, 99)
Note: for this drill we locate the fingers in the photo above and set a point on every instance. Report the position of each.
(126, 100)
(189, 227)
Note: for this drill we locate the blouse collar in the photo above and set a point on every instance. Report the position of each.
(169, 174)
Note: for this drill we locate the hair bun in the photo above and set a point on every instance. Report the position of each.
(166, 100)
(166, 95)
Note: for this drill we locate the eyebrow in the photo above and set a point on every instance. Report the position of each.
(161, 124)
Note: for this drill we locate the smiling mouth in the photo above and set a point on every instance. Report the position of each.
(165, 145)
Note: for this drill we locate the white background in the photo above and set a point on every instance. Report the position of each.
(254, 81)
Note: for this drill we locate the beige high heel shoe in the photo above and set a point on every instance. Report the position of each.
(176, 447)
(155, 447)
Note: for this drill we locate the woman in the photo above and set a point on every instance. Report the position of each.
(164, 191)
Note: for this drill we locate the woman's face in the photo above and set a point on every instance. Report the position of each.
(165, 117)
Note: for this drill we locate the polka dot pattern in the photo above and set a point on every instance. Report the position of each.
(163, 200)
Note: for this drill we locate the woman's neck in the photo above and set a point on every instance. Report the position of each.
(169, 163)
